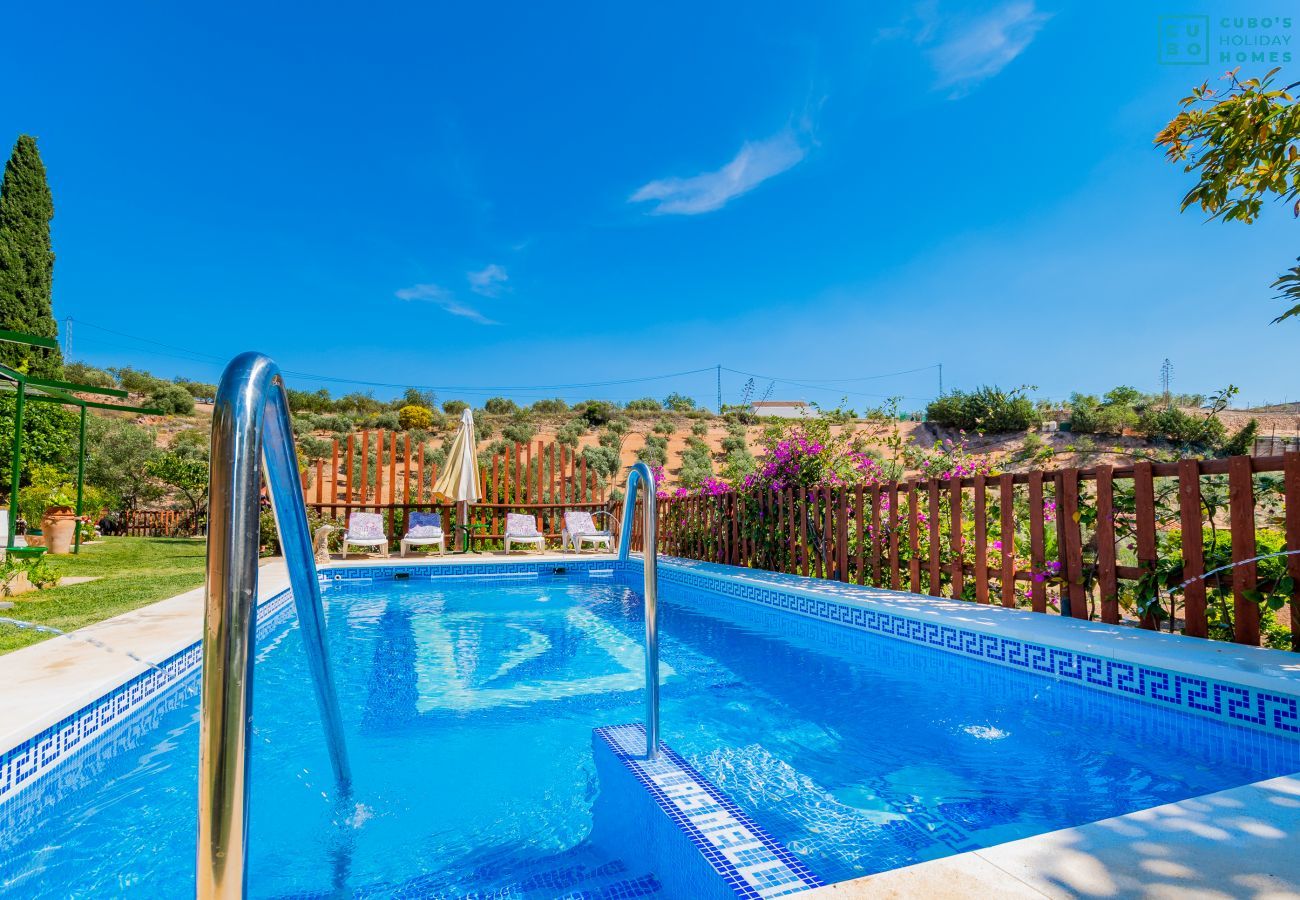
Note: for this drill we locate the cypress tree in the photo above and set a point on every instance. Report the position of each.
(27, 261)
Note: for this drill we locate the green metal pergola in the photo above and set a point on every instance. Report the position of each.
(45, 390)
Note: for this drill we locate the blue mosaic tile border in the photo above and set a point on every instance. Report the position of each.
(576, 566)
(37, 756)
(1232, 703)
(746, 857)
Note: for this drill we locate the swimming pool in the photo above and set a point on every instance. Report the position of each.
(470, 702)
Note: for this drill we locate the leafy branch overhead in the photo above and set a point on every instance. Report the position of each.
(1243, 144)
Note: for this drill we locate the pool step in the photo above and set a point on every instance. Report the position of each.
(575, 874)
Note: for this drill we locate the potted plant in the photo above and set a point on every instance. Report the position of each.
(51, 500)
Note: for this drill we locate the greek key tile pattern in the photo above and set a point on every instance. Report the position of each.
(745, 856)
(1232, 703)
(39, 755)
(520, 568)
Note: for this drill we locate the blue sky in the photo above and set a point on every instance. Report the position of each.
(487, 195)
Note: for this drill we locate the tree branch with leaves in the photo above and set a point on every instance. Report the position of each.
(1243, 144)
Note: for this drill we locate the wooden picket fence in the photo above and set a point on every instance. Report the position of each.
(1080, 534)
(161, 523)
(388, 474)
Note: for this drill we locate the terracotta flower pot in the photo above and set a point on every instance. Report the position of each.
(60, 529)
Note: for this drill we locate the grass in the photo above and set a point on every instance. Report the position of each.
(131, 572)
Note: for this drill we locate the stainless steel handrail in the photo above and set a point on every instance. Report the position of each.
(643, 477)
(250, 427)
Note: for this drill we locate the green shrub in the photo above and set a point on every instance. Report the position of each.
(81, 373)
(519, 432)
(550, 407)
(199, 390)
(454, 407)
(699, 429)
(596, 412)
(172, 399)
(679, 403)
(570, 432)
(1115, 420)
(49, 487)
(985, 409)
(312, 448)
(500, 406)
(435, 456)
(336, 424)
(735, 439)
(738, 464)
(1176, 426)
(655, 451)
(646, 405)
(665, 426)
(601, 460)
(387, 420)
(1243, 442)
(1123, 396)
(697, 463)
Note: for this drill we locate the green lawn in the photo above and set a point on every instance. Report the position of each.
(131, 572)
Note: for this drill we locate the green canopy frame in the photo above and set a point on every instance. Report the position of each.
(46, 390)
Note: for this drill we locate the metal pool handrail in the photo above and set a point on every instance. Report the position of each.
(250, 427)
(643, 477)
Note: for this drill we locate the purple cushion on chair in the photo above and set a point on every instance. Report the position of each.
(521, 525)
(367, 526)
(580, 523)
(422, 524)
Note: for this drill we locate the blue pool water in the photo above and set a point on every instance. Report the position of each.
(469, 705)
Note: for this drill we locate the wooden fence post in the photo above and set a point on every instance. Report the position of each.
(1291, 491)
(1107, 579)
(876, 535)
(1067, 514)
(1191, 522)
(842, 552)
(1144, 503)
(1037, 563)
(1007, 538)
(913, 538)
(955, 538)
(936, 552)
(981, 541)
(347, 495)
(895, 577)
(1241, 503)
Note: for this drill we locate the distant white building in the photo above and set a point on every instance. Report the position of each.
(783, 409)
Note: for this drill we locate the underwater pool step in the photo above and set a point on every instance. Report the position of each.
(665, 816)
(575, 874)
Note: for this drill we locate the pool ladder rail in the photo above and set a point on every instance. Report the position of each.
(251, 428)
(642, 477)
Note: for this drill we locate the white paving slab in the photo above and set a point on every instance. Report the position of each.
(1238, 843)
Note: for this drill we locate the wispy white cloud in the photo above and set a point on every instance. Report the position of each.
(985, 46)
(966, 52)
(489, 281)
(756, 162)
(443, 298)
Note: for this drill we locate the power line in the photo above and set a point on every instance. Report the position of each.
(823, 387)
(192, 355)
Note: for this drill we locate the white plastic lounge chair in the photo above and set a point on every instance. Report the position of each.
(365, 530)
(424, 530)
(521, 528)
(580, 528)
